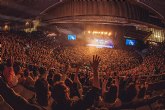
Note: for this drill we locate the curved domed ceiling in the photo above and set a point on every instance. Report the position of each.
(101, 11)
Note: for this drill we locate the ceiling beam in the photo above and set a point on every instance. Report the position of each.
(15, 6)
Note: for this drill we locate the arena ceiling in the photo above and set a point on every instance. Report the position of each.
(21, 10)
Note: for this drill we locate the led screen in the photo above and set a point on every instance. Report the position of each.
(71, 37)
(101, 43)
(130, 42)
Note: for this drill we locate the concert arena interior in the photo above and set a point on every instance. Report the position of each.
(82, 55)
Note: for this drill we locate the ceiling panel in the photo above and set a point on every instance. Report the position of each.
(27, 9)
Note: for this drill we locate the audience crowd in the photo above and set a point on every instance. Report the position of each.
(37, 73)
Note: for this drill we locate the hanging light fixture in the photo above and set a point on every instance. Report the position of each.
(6, 27)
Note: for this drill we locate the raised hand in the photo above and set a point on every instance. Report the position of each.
(95, 63)
(12, 60)
(104, 83)
(66, 67)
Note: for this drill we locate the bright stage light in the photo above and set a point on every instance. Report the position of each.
(6, 27)
(94, 32)
(100, 46)
(109, 34)
(99, 33)
(27, 23)
(105, 33)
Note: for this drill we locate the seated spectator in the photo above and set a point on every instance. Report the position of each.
(42, 97)
(56, 78)
(111, 95)
(50, 77)
(28, 80)
(43, 73)
(130, 93)
(35, 75)
(142, 91)
(18, 72)
(9, 74)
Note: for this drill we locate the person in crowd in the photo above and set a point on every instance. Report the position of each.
(130, 93)
(28, 80)
(111, 95)
(42, 94)
(61, 96)
(9, 74)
